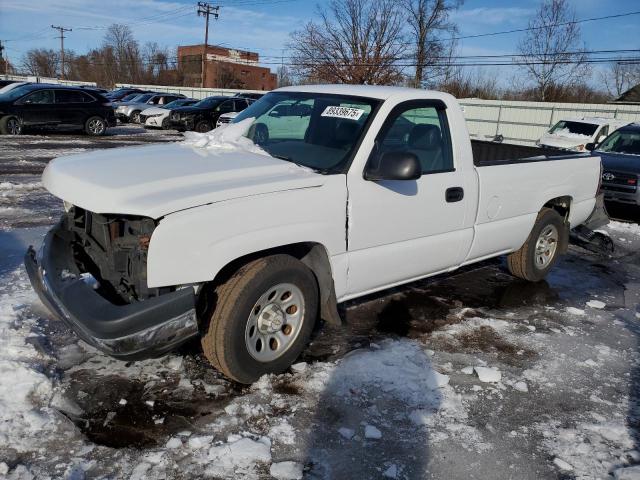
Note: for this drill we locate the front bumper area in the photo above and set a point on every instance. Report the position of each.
(144, 329)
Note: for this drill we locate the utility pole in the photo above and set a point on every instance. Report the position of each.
(61, 30)
(206, 10)
(6, 63)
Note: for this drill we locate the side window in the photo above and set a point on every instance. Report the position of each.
(70, 96)
(226, 107)
(240, 105)
(422, 131)
(41, 97)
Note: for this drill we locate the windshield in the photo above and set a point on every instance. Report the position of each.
(15, 93)
(141, 98)
(566, 128)
(625, 141)
(178, 103)
(315, 130)
(208, 102)
(131, 96)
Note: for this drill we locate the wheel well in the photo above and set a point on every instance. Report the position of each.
(313, 255)
(562, 205)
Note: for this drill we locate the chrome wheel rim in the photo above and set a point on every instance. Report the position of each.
(546, 246)
(13, 126)
(275, 322)
(96, 126)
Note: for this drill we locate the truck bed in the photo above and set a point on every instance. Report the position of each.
(493, 153)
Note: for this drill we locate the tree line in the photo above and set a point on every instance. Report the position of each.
(382, 42)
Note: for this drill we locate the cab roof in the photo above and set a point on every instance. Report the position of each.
(369, 91)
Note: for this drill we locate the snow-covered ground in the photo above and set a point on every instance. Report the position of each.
(471, 375)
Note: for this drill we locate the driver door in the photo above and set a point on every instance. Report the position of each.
(38, 108)
(401, 230)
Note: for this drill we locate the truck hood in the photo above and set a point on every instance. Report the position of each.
(156, 180)
(557, 141)
(620, 162)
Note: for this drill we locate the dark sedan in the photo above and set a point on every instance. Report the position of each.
(620, 153)
(41, 105)
(202, 116)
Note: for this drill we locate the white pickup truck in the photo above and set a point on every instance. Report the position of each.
(246, 240)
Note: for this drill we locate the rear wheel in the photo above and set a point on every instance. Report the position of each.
(10, 126)
(263, 318)
(203, 126)
(541, 250)
(95, 126)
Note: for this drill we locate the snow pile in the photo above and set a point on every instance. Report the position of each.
(226, 138)
(621, 227)
(238, 457)
(24, 392)
(590, 450)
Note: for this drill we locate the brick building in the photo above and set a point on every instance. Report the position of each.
(225, 68)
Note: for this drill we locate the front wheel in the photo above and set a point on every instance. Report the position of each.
(203, 126)
(10, 126)
(541, 250)
(135, 117)
(263, 318)
(95, 126)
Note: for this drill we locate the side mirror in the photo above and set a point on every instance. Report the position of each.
(394, 166)
(590, 147)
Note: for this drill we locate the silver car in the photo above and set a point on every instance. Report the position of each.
(130, 111)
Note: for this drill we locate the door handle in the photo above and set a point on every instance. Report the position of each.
(454, 194)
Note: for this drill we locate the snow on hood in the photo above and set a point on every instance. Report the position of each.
(157, 180)
(226, 138)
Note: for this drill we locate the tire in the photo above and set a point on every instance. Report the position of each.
(135, 116)
(203, 126)
(541, 250)
(232, 338)
(95, 126)
(10, 126)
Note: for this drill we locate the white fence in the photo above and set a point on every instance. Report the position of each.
(56, 81)
(191, 92)
(525, 122)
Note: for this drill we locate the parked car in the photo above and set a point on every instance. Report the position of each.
(382, 189)
(252, 96)
(620, 153)
(41, 105)
(203, 116)
(226, 118)
(574, 134)
(158, 117)
(11, 86)
(4, 83)
(130, 111)
(120, 93)
(101, 91)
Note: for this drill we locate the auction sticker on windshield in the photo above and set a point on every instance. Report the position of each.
(343, 112)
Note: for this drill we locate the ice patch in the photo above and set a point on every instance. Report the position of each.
(488, 374)
(597, 304)
(629, 473)
(372, 432)
(574, 311)
(286, 470)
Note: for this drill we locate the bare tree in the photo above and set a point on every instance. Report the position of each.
(552, 50)
(41, 62)
(428, 21)
(355, 41)
(126, 53)
(464, 84)
(620, 77)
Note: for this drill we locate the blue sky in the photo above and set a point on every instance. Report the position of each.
(264, 25)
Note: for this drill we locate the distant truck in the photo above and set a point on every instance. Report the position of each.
(248, 243)
(574, 134)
